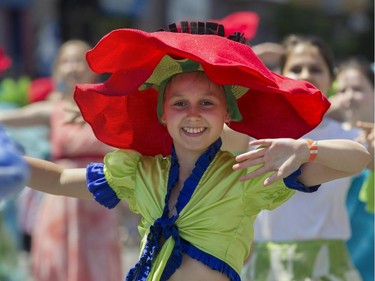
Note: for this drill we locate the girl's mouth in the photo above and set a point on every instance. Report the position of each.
(195, 130)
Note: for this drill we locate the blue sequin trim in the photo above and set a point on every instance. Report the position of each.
(209, 260)
(292, 182)
(98, 186)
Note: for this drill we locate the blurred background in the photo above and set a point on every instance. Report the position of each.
(32, 30)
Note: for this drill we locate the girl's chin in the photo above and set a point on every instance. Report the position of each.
(198, 146)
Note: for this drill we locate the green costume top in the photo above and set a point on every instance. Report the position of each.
(215, 219)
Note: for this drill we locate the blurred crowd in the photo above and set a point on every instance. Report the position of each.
(45, 237)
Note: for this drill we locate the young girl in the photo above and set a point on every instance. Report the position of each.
(355, 100)
(308, 244)
(197, 202)
(61, 245)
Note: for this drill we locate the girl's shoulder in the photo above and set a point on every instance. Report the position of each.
(128, 157)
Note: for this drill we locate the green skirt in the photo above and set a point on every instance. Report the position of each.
(315, 260)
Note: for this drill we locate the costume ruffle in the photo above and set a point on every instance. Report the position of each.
(292, 182)
(212, 262)
(99, 187)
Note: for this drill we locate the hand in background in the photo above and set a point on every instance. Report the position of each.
(73, 115)
(367, 137)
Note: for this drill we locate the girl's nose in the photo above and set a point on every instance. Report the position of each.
(348, 97)
(73, 65)
(194, 112)
(305, 74)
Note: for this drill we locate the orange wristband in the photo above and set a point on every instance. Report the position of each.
(313, 146)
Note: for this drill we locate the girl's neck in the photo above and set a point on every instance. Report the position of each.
(186, 160)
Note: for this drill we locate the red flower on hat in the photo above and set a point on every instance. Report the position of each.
(5, 61)
(245, 22)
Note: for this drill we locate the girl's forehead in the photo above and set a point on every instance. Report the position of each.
(193, 82)
(353, 77)
(192, 79)
(306, 55)
(196, 76)
(305, 50)
(73, 51)
(349, 73)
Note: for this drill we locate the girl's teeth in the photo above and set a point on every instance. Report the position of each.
(193, 130)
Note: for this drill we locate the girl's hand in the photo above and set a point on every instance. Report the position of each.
(283, 156)
(367, 137)
(73, 115)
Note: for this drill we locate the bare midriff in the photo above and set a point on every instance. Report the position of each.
(193, 270)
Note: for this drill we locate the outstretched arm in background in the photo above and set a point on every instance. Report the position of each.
(38, 113)
(50, 178)
(336, 159)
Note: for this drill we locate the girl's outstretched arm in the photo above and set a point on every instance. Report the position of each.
(50, 178)
(233, 141)
(335, 159)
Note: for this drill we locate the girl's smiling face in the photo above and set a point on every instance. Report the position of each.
(306, 63)
(357, 95)
(71, 67)
(194, 112)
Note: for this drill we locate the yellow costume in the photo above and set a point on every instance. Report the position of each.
(215, 209)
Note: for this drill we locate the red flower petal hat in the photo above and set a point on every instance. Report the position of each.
(123, 113)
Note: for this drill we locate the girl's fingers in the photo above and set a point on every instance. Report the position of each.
(365, 125)
(282, 172)
(251, 155)
(263, 142)
(279, 174)
(254, 174)
(272, 178)
(247, 164)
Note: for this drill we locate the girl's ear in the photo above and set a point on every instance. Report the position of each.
(162, 120)
(227, 118)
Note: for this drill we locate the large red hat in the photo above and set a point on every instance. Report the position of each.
(124, 116)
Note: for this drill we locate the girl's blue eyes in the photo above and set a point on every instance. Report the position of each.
(184, 103)
(180, 103)
(206, 103)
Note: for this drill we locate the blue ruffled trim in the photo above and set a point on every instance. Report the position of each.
(192, 181)
(175, 259)
(99, 187)
(292, 182)
(165, 227)
(209, 260)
